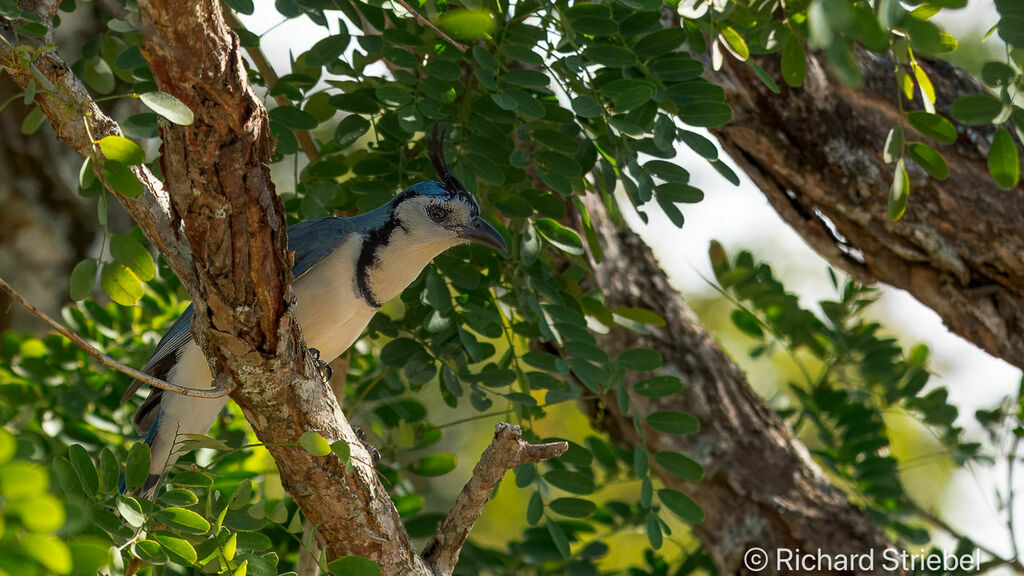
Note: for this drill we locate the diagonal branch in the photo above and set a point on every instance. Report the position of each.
(427, 23)
(107, 361)
(78, 122)
(507, 451)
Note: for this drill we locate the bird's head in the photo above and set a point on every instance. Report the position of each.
(443, 209)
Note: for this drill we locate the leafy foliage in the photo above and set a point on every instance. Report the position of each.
(553, 100)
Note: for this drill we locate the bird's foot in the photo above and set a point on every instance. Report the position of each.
(370, 448)
(325, 369)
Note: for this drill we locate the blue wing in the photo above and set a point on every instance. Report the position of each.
(312, 241)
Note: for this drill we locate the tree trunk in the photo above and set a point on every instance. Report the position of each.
(760, 488)
(816, 154)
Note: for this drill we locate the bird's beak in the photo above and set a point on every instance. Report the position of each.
(481, 232)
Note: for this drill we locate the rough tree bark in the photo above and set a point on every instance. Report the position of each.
(761, 488)
(816, 154)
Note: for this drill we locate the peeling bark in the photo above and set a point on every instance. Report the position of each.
(761, 488)
(816, 154)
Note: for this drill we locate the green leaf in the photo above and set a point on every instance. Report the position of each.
(315, 444)
(350, 129)
(610, 56)
(353, 566)
(169, 107)
(976, 110)
(560, 539)
(180, 550)
(183, 520)
(130, 510)
(122, 150)
(893, 145)
(681, 505)
(706, 114)
(570, 481)
(150, 551)
(434, 465)
(399, 351)
(120, 283)
(699, 144)
(1003, 160)
(933, 126)
(33, 120)
(659, 387)
(586, 107)
(679, 465)
(794, 62)
(535, 509)
(466, 24)
(565, 239)
(109, 471)
(342, 450)
(178, 497)
(51, 553)
(293, 118)
(671, 422)
(526, 77)
(640, 359)
(736, 42)
(328, 50)
(641, 315)
(678, 193)
(898, 193)
(654, 535)
(136, 467)
(83, 278)
(121, 179)
(572, 507)
(667, 171)
(84, 468)
(926, 157)
(131, 253)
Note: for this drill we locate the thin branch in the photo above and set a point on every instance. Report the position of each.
(507, 451)
(423, 21)
(216, 392)
(270, 79)
(1013, 563)
(1011, 463)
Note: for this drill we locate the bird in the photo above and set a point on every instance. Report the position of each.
(344, 270)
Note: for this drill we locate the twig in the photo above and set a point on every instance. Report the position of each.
(1013, 563)
(506, 451)
(423, 21)
(270, 79)
(1011, 462)
(215, 392)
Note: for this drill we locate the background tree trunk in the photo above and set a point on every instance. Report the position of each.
(760, 488)
(816, 154)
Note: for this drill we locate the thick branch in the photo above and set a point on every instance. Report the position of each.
(816, 154)
(507, 451)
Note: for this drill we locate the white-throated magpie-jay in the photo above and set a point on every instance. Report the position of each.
(345, 269)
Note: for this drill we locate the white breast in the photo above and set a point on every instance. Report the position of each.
(329, 310)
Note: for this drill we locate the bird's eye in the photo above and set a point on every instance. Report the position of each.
(438, 213)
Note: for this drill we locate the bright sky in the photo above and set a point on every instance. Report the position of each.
(741, 218)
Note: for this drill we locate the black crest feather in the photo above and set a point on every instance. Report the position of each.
(435, 150)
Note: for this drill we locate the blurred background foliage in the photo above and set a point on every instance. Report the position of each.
(553, 100)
